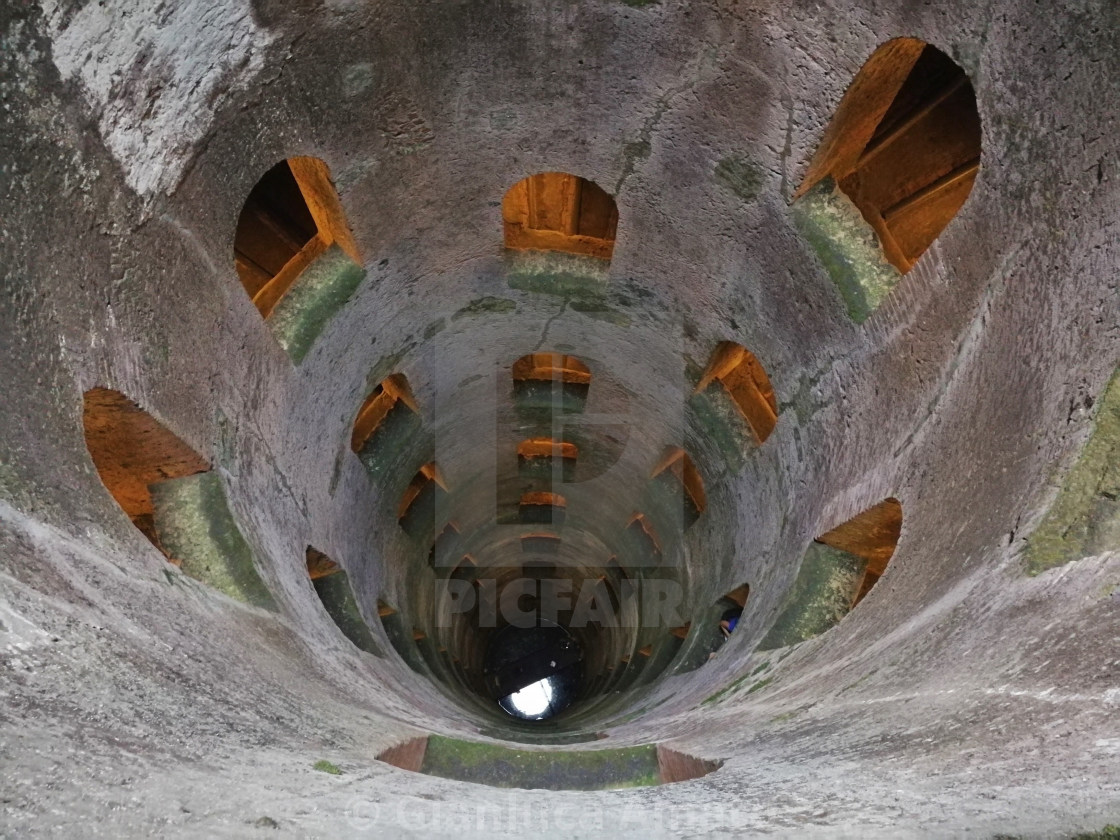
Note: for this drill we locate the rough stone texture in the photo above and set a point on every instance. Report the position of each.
(961, 697)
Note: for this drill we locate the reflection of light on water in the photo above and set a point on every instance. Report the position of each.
(533, 700)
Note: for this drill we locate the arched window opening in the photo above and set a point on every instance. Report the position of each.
(465, 568)
(333, 588)
(838, 570)
(290, 218)
(133, 451)
(678, 467)
(294, 252)
(542, 509)
(551, 367)
(444, 547)
(733, 604)
(904, 146)
(645, 545)
(552, 381)
(319, 565)
(168, 491)
(725, 616)
(711, 629)
(554, 211)
(392, 393)
(421, 500)
(745, 380)
(400, 636)
(546, 448)
(870, 536)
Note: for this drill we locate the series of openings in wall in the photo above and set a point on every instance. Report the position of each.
(554, 211)
(740, 373)
(291, 217)
(838, 570)
(132, 452)
(392, 394)
(904, 146)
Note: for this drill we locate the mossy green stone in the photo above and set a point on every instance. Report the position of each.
(321, 290)
(1085, 517)
(563, 275)
(490, 764)
(847, 247)
(196, 526)
(338, 600)
(486, 306)
(826, 586)
(741, 176)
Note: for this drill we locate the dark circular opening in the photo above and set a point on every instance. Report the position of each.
(533, 672)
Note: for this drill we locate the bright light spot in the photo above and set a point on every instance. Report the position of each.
(533, 700)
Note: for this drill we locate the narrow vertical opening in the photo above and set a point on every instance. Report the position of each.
(445, 546)
(291, 217)
(421, 499)
(393, 393)
(745, 380)
(545, 459)
(332, 586)
(838, 570)
(871, 536)
(676, 466)
(551, 381)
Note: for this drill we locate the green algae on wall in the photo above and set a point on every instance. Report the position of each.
(741, 176)
(490, 764)
(196, 527)
(338, 600)
(559, 274)
(321, 291)
(716, 416)
(847, 247)
(485, 306)
(1085, 517)
(400, 434)
(826, 586)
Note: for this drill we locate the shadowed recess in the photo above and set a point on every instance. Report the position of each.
(490, 764)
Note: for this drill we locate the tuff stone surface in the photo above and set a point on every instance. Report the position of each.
(961, 697)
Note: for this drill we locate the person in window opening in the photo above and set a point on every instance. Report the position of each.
(729, 620)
